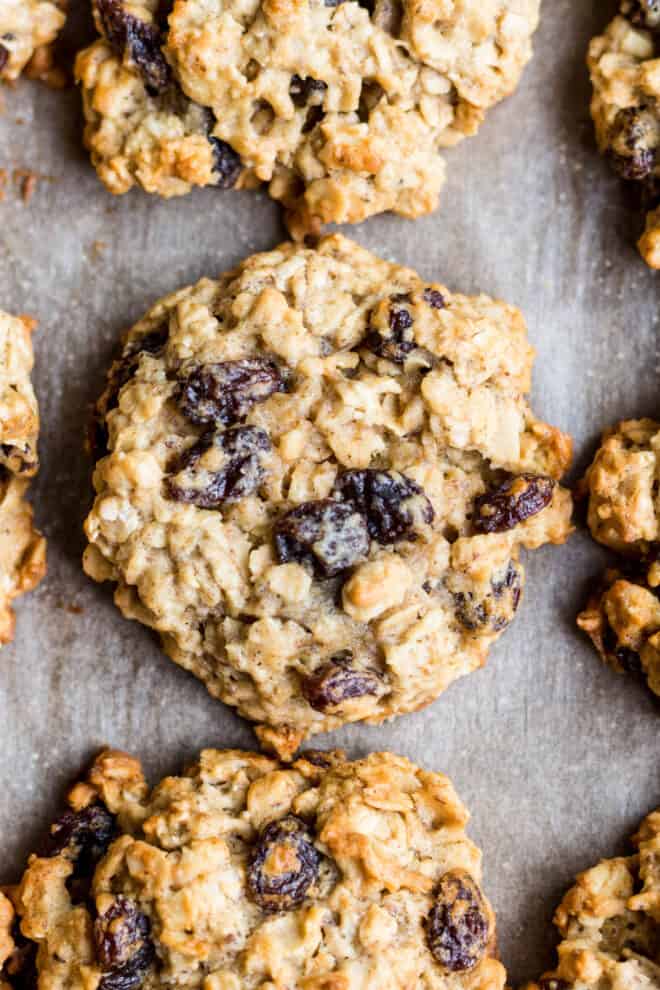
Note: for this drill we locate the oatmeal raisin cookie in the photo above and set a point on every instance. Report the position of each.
(315, 477)
(341, 108)
(245, 874)
(27, 29)
(22, 548)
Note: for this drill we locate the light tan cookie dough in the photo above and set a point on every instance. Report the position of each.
(622, 617)
(22, 548)
(27, 29)
(341, 108)
(244, 874)
(321, 471)
(625, 73)
(610, 922)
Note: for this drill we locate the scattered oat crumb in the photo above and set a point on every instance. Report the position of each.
(97, 249)
(27, 180)
(4, 178)
(75, 609)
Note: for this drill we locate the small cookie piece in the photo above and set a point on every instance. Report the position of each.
(245, 873)
(320, 472)
(626, 106)
(342, 108)
(22, 548)
(610, 922)
(622, 616)
(27, 29)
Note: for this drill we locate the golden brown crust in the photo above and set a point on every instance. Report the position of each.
(27, 30)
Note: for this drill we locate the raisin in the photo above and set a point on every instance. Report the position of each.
(518, 498)
(434, 298)
(124, 949)
(394, 506)
(642, 13)
(306, 91)
(221, 394)
(328, 534)
(141, 41)
(622, 656)
(318, 758)
(4, 57)
(457, 928)
(220, 467)
(227, 163)
(82, 836)
(496, 610)
(338, 681)
(632, 143)
(396, 341)
(283, 865)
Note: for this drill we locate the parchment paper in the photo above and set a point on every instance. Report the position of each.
(556, 756)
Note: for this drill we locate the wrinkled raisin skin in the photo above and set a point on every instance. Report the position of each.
(124, 949)
(394, 506)
(630, 154)
(328, 534)
(457, 927)
(227, 163)
(518, 498)
(82, 836)
(434, 298)
(142, 41)
(307, 90)
(241, 475)
(398, 344)
(286, 890)
(336, 682)
(222, 394)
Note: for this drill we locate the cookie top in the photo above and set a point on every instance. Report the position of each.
(22, 548)
(626, 109)
(341, 108)
(320, 472)
(26, 28)
(244, 874)
(610, 922)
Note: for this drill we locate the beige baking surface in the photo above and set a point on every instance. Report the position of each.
(556, 756)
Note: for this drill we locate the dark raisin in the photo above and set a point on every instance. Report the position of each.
(397, 340)
(642, 13)
(307, 90)
(496, 609)
(328, 534)
(220, 467)
(319, 758)
(221, 394)
(628, 660)
(283, 865)
(518, 498)
(124, 949)
(82, 836)
(139, 40)
(4, 57)
(633, 143)
(457, 928)
(434, 298)
(227, 163)
(394, 506)
(338, 681)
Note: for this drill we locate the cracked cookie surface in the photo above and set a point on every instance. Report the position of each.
(341, 108)
(610, 922)
(626, 107)
(247, 874)
(22, 548)
(320, 472)
(27, 28)
(622, 616)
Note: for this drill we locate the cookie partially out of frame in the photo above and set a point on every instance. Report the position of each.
(609, 922)
(622, 616)
(22, 548)
(341, 108)
(626, 106)
(27, 29)
(319, 473)
(245, 874)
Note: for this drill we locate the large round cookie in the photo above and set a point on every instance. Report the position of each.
(341, 108)
(22, 548)
(245, 874)
(27, 28)
(321, 470)
(622, 616)
(610, 922)
(626, 106)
